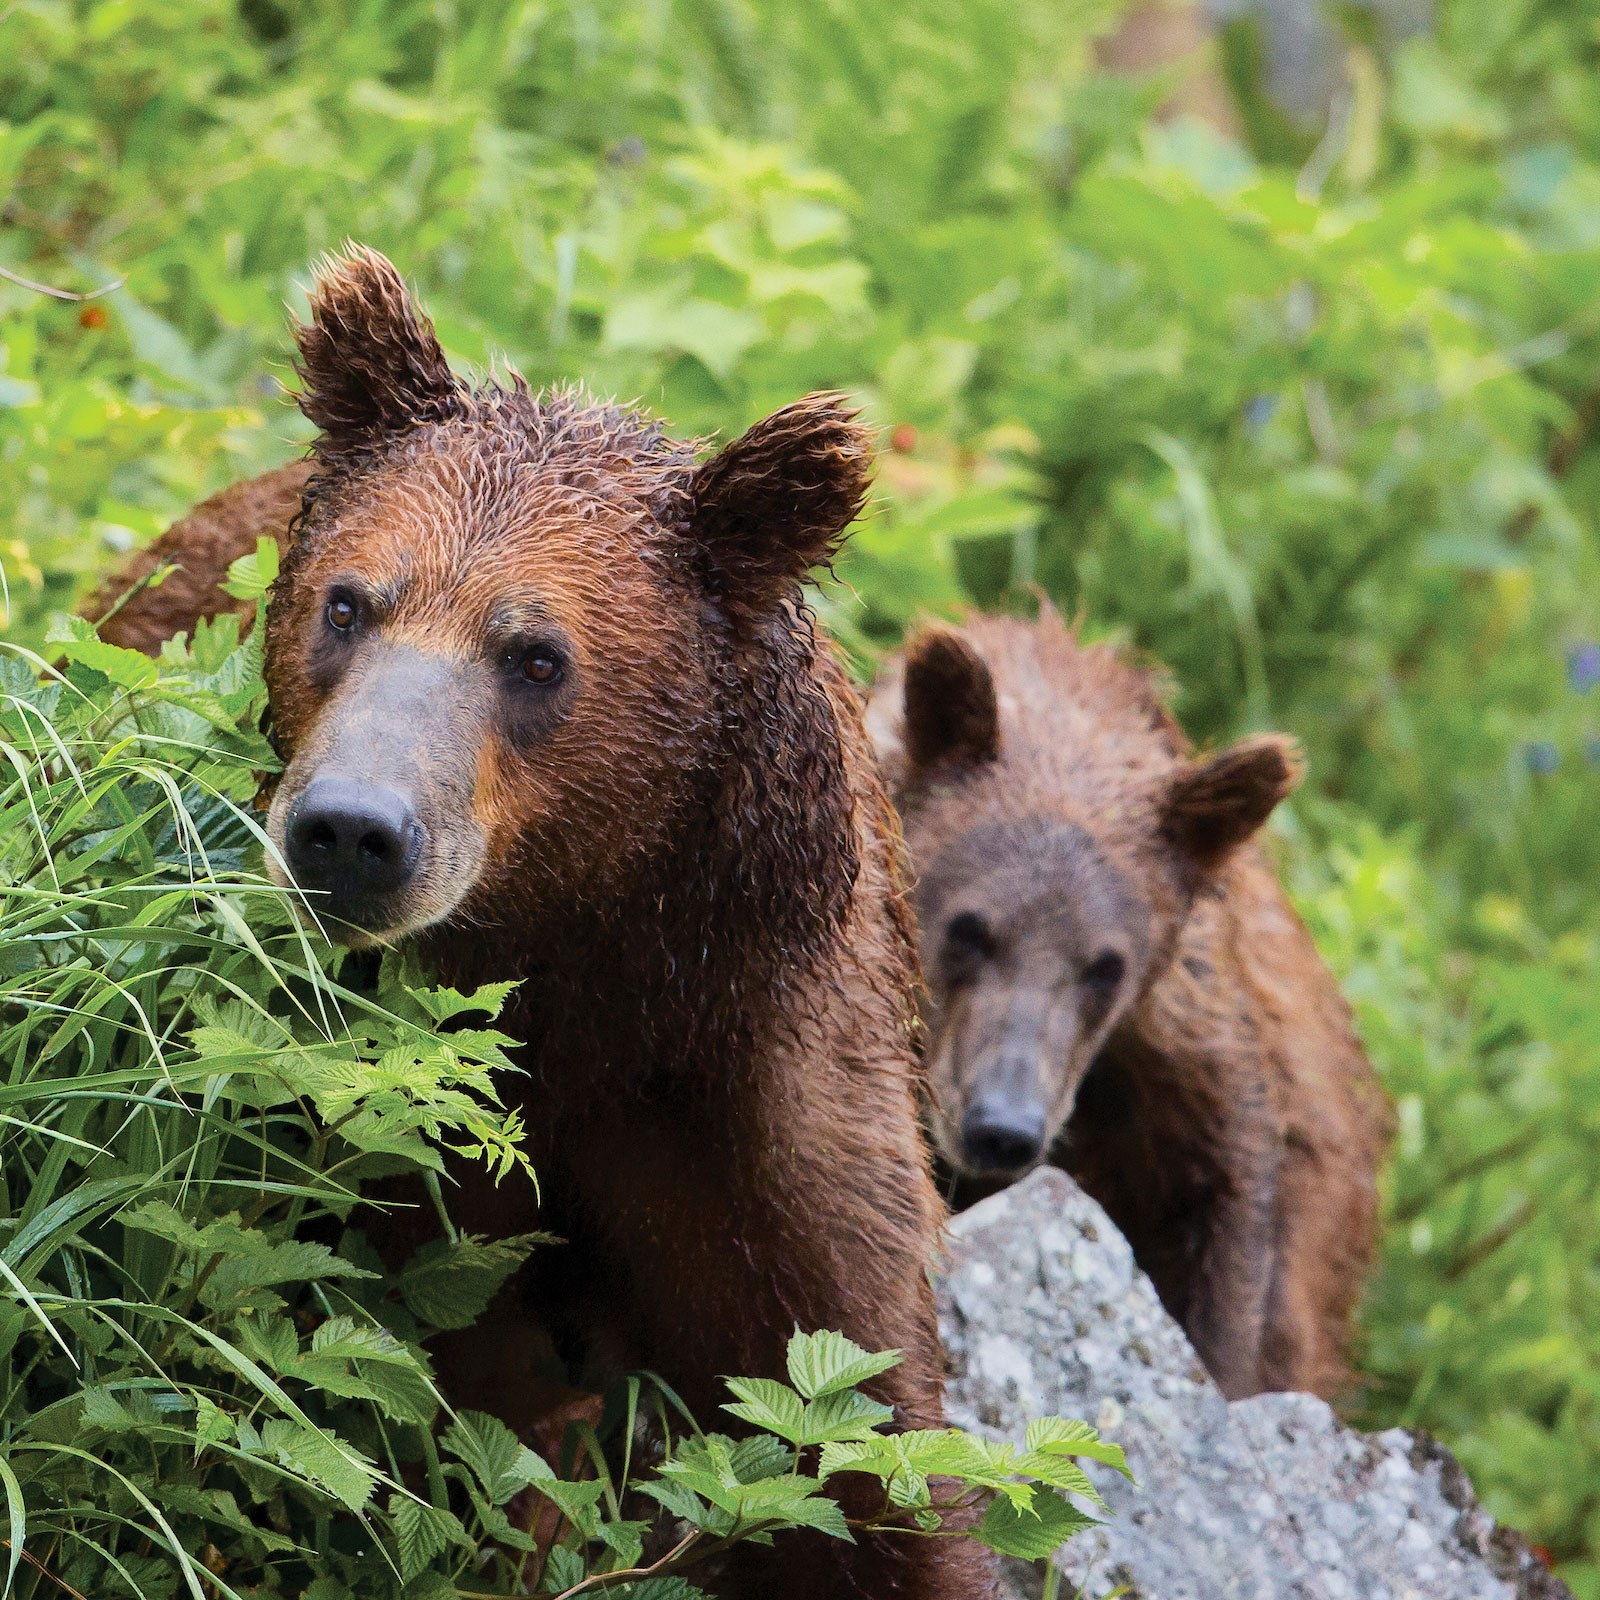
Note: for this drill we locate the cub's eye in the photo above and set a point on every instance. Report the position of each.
(968, 937)
(341, 613)
(1105, 971)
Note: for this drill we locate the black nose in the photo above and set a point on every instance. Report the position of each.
(1002, 1135)
(357, 842)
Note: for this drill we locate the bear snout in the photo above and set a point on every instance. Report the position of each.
(354, 845)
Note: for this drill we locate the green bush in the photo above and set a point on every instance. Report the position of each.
(210, 1383)
(1314, 425)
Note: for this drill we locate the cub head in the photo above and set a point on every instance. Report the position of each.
(507, 627)
(1052, 884)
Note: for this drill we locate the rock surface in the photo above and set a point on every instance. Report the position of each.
(1044, 1311)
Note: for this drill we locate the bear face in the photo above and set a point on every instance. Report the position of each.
(1034, 947)
(507, 629)
(1061, 834)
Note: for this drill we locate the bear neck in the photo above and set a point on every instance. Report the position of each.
(683, 976)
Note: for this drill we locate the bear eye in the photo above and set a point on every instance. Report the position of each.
(341, 613)
(1105, 971)
(537, 664)
(969, 937)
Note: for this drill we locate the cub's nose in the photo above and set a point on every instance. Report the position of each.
(1002, 1135)
(357, 842)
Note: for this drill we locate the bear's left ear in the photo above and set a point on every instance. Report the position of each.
(778, 499)
(1212, 806)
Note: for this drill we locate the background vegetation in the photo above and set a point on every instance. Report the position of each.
(1312, 420)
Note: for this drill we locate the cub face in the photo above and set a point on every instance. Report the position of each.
(1050, 895)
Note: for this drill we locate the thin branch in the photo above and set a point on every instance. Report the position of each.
(34, 1561)
(61, 294)
(606, 1580)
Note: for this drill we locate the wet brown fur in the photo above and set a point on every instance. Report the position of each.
(694, 872)
(1231, 1125)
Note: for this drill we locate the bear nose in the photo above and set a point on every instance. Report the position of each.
(1002, 1135)
(358, 842)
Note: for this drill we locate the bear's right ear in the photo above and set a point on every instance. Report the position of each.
(950, 708)
(1212, 806)
(370, 362)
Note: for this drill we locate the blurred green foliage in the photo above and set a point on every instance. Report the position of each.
(1314, 425)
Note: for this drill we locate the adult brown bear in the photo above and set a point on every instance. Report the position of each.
(1120, 984)
(552, 707)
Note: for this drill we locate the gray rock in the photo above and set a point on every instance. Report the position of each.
(1044, 1311)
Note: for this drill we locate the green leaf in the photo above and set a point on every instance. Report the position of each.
(420, 1533)
(844, 1414)
(251, 576)
(495, 1456)
(1068, 1436)
(823, 1363)
(128, 669)
(449, 1283)
(1035, 1532)
(760, 1456)
(768, 1404)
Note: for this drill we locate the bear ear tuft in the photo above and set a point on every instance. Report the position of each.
(1212, 806)
(950, 710)
(777, 501)
(370, 362)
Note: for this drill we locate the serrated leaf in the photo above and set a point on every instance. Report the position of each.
(1035, 1532)
(128, 669)
(625, 1539)
(768, 1404)
(1058, 1472)
(338, 1466)
(576, 1501)
(844, 1414)
(1069, 1436)
(449, 1283)
(947, 1452)
(825, 1362)
(760, 1456)
(251, 576)
(678, 1498)
(492, 1453)
(669, 1588)
(564, 1568)
(420, 1533)
(875, 1455)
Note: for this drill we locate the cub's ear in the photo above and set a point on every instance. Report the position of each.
(778, 499)
(1212, 806)
(370, 363)
(951, 714)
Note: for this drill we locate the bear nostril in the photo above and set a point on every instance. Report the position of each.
(356, 843)
(1002, 1138)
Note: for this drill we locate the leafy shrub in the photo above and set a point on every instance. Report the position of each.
(210, 1383)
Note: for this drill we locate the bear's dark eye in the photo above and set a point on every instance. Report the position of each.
(1105, 971)
(968, 937)
(341, 613)
(540, 666)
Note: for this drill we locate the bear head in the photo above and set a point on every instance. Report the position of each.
(518, 642)
(1061, 831)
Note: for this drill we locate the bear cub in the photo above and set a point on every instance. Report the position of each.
(1119, 986)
